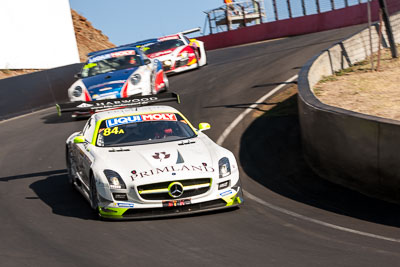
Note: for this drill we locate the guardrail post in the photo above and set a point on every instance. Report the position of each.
(389, 32)
(275, 9)
(346, 3)
(259, 13)
(209, 23)
(303, 5)
(333, 4)
(244, 16)
(228, 19)
(318, 7)
(289, 8)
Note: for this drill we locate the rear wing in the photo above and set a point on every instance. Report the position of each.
(99, 105)
(192, 30)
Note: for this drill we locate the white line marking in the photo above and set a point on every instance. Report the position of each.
(26, 115)
(288, 212)
(230, 128)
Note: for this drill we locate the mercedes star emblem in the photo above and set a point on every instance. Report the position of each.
(175, 189)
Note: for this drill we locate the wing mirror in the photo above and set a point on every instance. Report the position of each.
(78, 76)
(79, 139)
(204, 126)
(147, 61)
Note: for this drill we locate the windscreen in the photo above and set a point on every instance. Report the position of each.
(143, 129)
(106, 64)
(161, 46)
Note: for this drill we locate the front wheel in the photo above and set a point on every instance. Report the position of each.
(94, 198)
(70, 168)
(166, 87)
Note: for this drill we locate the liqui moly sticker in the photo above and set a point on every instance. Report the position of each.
(138, 118)
(123, 120)
(159, 117)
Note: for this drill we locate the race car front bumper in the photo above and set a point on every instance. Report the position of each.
(178, 208)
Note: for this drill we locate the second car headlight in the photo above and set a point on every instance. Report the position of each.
(77, 91)
(224, 167)
(114, 180)
(135, 79)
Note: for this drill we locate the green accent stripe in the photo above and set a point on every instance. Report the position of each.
(112, 212)
(154, 191)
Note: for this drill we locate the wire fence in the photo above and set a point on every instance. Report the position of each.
(284, 9)
(239, 14)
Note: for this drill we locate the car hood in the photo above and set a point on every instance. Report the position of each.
(167, 161)
(107, 83)
(161, 53)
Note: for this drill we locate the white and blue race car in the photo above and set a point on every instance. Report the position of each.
(149, 161)
(118, 73)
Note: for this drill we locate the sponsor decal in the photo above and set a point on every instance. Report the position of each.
(84, 105)
(176, 203)
(111, 55)
(173, 169)
(170, 37)
(159, 117)
(162, 53)
(123, 120)
(123, 53)
(161, 155)
(123, 103)
(125, 205)
(136, 118)
(114, 130)
(226, 193)
(99, 58)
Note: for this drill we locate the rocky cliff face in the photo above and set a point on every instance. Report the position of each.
(88, 39)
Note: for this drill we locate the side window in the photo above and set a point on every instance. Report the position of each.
(88, 131)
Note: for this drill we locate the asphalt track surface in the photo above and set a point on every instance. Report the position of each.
(43, 222)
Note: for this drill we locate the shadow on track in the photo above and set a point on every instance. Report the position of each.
(65, 200)
(65, 117)
(62, 198)
(271, 154)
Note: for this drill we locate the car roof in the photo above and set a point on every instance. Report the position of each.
(128, 111)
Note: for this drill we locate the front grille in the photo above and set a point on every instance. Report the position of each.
(180, 63)
(159, 191)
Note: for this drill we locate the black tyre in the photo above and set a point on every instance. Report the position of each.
(69, 162)
(94, 199)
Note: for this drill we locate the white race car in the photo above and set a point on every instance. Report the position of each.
(176, 52)
(150, 161)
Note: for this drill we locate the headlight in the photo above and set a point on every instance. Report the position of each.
(135, 79)
(167, 63)
(224, 167)
(184, 54)
(114, 180)
(77, 91)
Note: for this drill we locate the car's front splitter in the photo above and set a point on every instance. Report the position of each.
(143, 213)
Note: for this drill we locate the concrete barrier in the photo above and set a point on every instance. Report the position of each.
(349, 148)
(30, 92)
(339, 18)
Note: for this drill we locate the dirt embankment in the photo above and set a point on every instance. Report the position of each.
(88, 39)
(359, 89)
